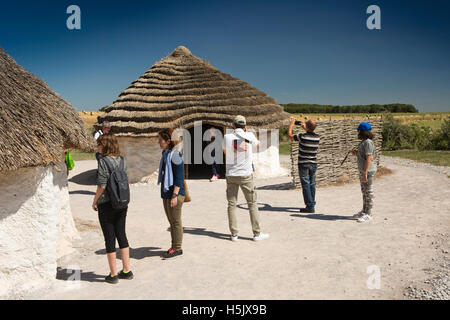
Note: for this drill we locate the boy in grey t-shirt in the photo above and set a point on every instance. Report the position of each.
(367, 169)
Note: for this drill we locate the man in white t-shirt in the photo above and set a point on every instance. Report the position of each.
(238, 148)
(105, 129)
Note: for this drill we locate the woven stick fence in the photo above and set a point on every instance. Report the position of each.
(337, 137)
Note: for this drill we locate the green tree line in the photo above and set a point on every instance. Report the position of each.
(370, 108)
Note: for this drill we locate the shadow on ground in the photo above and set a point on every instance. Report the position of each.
(85, 192)
(138, 253)
(279, 186)
(321, 216)
(317, 216)
(78, 274)
(268, 207)
(204, 232)
(87, 178)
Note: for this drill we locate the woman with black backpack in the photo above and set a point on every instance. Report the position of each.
(112, 211)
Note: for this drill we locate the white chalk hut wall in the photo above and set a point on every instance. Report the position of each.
(36, 225)
(178, 91)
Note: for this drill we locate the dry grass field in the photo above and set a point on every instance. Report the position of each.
(89, 118)
(433, 120)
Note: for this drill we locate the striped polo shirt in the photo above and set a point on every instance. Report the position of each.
(307, 147)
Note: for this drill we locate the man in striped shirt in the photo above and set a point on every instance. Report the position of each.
(307, 161)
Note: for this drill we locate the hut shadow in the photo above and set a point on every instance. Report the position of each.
(279, 186)
(138, 253)
(321, 216)
(74, 274)
(86, 178)
(85, 192)
(204, 232)
(268, 207)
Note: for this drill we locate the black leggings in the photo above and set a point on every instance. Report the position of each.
(112, 222)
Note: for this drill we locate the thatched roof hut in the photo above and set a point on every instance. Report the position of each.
(36, 224)
(181, 89)
(176, 92)
(37, 124)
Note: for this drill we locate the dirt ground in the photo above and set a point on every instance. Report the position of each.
(324, 255)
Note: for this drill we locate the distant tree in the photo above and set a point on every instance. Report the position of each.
(372, 108)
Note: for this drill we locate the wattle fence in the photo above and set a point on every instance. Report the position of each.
(337, 137)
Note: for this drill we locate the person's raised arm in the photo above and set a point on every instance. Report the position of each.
(291, 125)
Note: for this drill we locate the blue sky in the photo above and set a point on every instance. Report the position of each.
(296, 51)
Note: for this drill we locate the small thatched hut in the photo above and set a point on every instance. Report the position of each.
(178, 91)
(36, 225)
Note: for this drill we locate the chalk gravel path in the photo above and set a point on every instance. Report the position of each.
(308, 256)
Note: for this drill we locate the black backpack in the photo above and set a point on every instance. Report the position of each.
(118, 188)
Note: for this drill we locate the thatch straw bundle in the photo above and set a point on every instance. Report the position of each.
(337, 137)
(181, 89)
(36, 123)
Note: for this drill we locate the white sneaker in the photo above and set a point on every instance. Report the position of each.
(358, 215)
(260, 236)
(234, 238)
(365, 218)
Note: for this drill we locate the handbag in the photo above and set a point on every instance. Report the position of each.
(187, 197)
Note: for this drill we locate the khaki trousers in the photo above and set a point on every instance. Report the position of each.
(174, 217)
(248, 188)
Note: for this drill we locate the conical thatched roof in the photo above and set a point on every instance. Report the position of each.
(181, 89)
(36, 124)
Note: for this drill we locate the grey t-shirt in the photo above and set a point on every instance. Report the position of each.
(366, 148)
(103, 175)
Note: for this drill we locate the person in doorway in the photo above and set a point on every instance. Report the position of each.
(172, 189)
(367, 169)
(307, 161)
(112, 221)
(215, 174)
(237, 147)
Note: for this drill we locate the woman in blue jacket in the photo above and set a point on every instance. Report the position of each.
(172, 189)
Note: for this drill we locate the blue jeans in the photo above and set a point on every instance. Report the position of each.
(307, 174)
(213, 166)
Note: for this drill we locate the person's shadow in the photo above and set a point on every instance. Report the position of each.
(318, 216)
(85, 192)
(138, 253)
(204, 232)
(268, 207)
(279, 186)
(321, 216)
(78, 275)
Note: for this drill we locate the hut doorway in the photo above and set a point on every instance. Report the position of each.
(202, 170)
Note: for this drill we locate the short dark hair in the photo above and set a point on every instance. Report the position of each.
(167, 134)
(364, 135)
(310, 125)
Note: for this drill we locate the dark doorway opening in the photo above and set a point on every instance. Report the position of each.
(203, 170)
